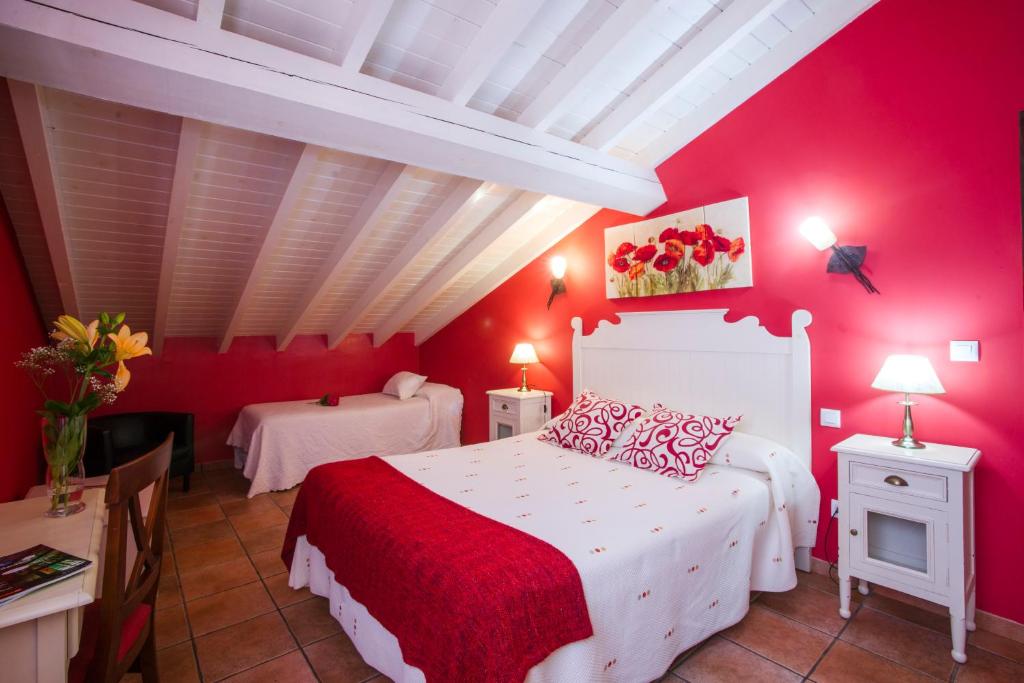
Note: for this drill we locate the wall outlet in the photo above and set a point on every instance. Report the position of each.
(831, 418)
(963, 351)
(835, 507)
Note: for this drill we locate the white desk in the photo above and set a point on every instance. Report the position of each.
(39, 633)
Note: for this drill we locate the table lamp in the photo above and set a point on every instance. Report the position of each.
(908, 375)
(522, 355)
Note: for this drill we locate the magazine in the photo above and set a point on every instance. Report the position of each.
(35, 568)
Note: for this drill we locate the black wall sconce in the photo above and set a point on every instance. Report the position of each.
(843, 259)
(557, 278)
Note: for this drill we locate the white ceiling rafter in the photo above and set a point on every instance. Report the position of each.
(503, 26)
(683, 68)
(31, 126)
(549, 236)
(123, 51)
(827, 20)
(431, 231)
(368, 17)
(210, 12)
(392, 182)
(285, 206)
(627, 19)
(184, 167)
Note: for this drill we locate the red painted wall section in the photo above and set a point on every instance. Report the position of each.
(191, 376)
(20, 456)
(902, 131)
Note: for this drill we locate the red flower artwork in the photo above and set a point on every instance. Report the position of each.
(704, 253)
(721, 243)
(620, 264)
(675, 248)
(625, 248)
(688, 237)
(668, 234)
(666, 262)
(705, 231)
(736, 249)
(645, 253)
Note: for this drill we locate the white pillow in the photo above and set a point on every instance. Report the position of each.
(404, 384)
(748, 451)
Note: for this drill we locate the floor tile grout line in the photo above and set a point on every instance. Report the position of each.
(184, 609)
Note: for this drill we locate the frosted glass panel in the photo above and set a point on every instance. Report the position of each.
(504, 430)
(898, 541)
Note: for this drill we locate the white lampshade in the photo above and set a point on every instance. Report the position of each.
(558, 267)
(817, 232)
(909, 375)
(523, 354)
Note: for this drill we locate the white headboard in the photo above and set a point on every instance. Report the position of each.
(694, 361)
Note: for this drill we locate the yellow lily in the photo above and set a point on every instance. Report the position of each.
(128, 345)
(122, 377)
(69, 327)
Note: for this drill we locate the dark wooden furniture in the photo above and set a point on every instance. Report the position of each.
(117, 632)
(114, 440)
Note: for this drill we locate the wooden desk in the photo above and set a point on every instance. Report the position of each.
(39, 633)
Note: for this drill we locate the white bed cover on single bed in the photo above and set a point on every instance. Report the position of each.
(664, 563)
(276, 444)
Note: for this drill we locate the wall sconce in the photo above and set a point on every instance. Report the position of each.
(557, 277)
(843, 259)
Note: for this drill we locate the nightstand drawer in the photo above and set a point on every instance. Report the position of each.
(892, 480)
(503, 406)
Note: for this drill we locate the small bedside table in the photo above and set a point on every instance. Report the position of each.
(515, 412)
(906, 521)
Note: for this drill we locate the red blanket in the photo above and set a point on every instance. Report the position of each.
(469, 598)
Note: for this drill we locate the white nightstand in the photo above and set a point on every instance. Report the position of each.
(906, 521)
(515, 412)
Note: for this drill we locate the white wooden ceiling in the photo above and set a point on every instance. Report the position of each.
(281, 167)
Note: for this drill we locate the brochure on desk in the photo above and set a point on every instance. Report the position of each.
(29, 570)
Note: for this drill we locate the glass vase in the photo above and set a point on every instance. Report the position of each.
(64, 446)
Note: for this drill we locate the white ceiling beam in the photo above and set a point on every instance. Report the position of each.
(28, 110)
(393, 181)
(181, 186)
(501, 28)
(551, 235)
(828, 20)
(128, 52)
(367, 18)
(714, 40)
(285, 206)
(210, 12)
(623, 23)
(432, 230)
(462, 259)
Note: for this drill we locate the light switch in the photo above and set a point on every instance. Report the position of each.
(831, 418)
(963, 351)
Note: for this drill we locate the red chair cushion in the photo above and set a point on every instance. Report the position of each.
(131, 629)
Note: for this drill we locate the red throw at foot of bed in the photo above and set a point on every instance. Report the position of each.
(469, 598)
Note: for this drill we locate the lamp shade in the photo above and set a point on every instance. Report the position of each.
(523, 354)
(816, 231)
(909, 375)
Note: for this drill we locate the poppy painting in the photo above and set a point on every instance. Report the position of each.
(690, 251)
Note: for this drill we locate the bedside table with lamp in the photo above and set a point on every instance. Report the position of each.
(516, 411)
(906, 509)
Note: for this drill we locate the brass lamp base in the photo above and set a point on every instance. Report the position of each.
(904, 442)
(524, 386)
(907, 440)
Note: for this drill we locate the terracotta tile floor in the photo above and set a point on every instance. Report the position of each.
(225, 612)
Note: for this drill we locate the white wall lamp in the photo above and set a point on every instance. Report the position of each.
(558, 265)
(843, 259)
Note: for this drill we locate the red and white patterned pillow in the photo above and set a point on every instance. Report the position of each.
(591, 424)
(675, 444)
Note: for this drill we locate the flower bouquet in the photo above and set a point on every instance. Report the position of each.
(91, 361)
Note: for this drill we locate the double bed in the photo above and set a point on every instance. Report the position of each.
(663, 563)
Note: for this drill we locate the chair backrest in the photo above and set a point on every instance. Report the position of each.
(124, 588)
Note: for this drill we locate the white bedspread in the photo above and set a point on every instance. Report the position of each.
(276, 444)
(664, 564)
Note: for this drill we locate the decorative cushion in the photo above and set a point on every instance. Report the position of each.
(591, 424)
(675, 444)
(404, 384)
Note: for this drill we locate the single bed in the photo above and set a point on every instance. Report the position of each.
(663, 564)
(276, 444)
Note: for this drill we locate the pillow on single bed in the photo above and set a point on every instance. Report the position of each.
(404, 384)
(675, 444)
(591, 424)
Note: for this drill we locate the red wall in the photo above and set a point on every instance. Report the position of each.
(902, 131)
(20, 456)
(190, 376)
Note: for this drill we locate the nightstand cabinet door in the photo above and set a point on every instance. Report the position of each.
(514, 412)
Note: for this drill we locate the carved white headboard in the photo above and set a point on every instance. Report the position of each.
(694, 361)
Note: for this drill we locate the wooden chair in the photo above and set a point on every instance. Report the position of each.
(117, 630)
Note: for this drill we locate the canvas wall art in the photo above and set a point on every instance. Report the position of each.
(690, 251)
